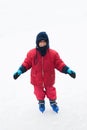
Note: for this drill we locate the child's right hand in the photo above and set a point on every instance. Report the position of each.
(17, 74)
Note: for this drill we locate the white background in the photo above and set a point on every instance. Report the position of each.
(65, 22)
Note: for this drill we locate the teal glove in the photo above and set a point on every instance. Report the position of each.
(17, 74)
(71, 73)
(21, 70)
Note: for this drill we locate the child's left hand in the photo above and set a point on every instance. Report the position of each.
(71, 73)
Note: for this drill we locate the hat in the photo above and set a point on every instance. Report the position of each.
(42, 36)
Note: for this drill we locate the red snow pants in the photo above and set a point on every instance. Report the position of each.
(49, 91)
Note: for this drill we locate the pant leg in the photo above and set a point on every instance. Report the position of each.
(39, 92)
(51, 92)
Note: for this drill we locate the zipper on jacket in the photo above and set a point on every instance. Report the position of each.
(42, 72)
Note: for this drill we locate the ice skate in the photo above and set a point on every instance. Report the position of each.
(41, 106)
(54, 106)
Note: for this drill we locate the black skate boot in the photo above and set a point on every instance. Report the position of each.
(41, 105)
(54, 106)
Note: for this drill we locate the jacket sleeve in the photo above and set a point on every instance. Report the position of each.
(59, 64)
(27, 63)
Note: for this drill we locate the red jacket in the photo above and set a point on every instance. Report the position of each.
(43, 67)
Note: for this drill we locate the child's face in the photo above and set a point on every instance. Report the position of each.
(42, 43)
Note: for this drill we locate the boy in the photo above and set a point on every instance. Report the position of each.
(43, 61)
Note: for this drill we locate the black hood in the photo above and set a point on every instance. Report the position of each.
(42, 36)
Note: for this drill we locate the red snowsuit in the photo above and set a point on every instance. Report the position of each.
(43, 72)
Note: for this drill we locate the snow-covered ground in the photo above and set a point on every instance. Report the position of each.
(65, 22)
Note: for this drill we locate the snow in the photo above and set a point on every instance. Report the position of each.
(66, 24)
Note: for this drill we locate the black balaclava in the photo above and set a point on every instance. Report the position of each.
(42, 36)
